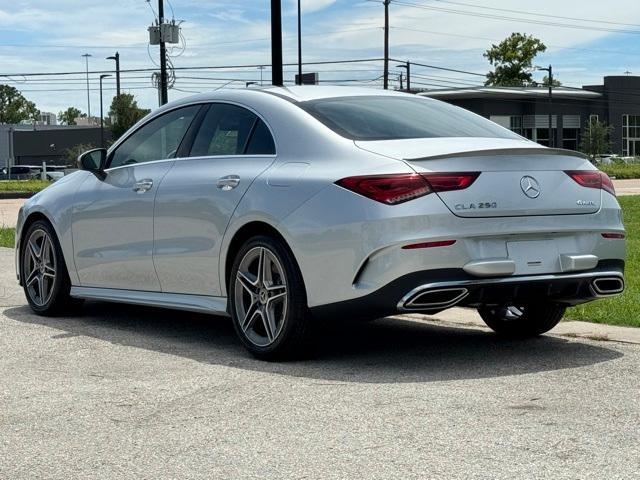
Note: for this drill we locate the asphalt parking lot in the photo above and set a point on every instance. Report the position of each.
(127, 392)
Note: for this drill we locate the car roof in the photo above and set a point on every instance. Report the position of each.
(303, 93)
(293, 94)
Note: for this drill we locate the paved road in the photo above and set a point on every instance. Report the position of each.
(627, 187)
(9, 212)
(123, 392)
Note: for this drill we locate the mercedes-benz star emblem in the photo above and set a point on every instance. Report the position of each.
(530, 186)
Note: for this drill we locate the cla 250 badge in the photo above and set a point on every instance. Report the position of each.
(475, 206)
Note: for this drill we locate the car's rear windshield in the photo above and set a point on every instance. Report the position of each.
(393, 118)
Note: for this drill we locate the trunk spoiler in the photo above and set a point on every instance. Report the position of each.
(505, 151)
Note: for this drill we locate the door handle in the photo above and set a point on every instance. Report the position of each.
(143, 185)
(229, 182)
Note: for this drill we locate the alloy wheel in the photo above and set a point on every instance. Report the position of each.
(40, 267)
(260, 296)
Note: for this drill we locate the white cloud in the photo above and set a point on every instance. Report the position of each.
(310, 6)
(227, 32)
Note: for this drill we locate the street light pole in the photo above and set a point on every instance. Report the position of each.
(116, 57)
(552, 141)
(549, 69)
(86, 58)
(103, 76)
(407, 66)
(261, 68)
(386, 43)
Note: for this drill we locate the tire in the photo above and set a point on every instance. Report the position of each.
(522, 321)
(269, 311)
(44, 274)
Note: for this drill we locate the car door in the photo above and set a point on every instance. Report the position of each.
(113, 216)
(198, 196)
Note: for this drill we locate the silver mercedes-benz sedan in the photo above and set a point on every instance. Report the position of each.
(284, 206)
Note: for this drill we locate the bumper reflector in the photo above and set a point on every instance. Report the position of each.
(613, 236)
(441, 243)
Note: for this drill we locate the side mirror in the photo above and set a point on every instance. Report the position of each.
(93, 161)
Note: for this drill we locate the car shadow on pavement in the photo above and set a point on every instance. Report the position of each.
(383, 351)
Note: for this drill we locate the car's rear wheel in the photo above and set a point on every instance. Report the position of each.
(268, 299)
(44, 274)
(522, 321)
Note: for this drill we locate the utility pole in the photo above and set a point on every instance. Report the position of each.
(116, 57)
(102, 77)
(164, 97)
(386, 43)
(86, 58)
(299, 82)
(276, 43)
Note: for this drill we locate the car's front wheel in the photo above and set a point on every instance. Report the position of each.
(44, 274)
(268, 300)
(522, 321)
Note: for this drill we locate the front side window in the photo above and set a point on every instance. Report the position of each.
(157, 140)
(392, 118)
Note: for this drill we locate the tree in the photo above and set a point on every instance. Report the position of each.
(74, 152)
(14, 108)
(596, 139)
(124, 113)
(513, 60)
(68, 117)
(545, 82)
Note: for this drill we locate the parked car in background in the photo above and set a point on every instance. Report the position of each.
(51, 175)
(284, 206)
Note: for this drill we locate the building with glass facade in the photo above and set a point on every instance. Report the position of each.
(526, 110)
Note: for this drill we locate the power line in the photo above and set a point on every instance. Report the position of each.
(515, 19)
(443, 68)
(472, 37)
(203, 67)
(495, 9)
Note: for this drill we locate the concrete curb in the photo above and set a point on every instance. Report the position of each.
(469, 318)
(16, 195)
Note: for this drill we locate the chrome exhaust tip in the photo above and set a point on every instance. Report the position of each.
(436, 299)
(605, 286)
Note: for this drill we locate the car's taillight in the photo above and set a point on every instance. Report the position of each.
(390, 189)
(592, 179)
(393, 189)
(607, 184)
(444, 182)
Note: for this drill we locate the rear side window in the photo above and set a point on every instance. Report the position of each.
(393, 118)
(225, 130)
(261, 141)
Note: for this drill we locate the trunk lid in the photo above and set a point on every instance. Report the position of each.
(517, 178)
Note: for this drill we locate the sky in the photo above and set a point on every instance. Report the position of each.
(51, 36)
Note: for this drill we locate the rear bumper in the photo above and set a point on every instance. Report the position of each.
(437, 290)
